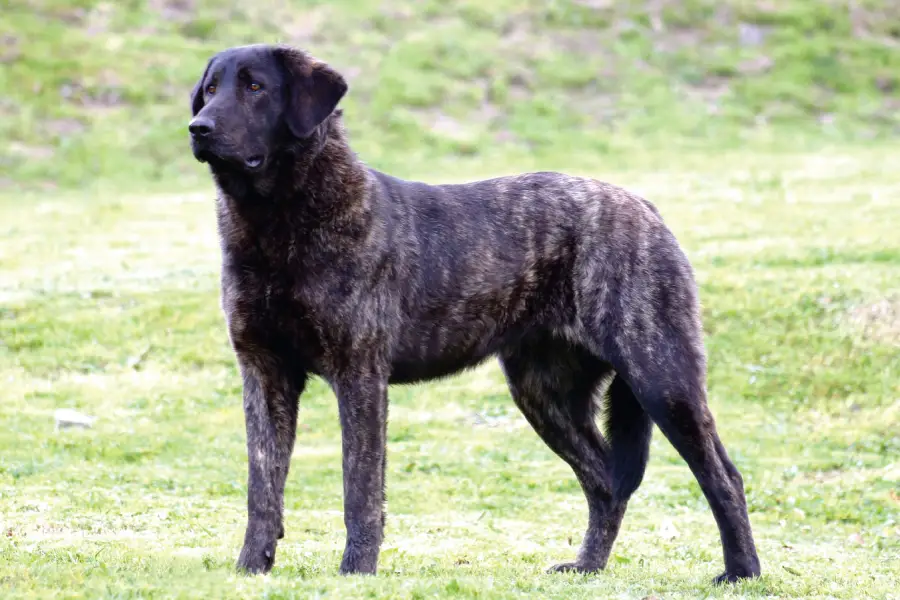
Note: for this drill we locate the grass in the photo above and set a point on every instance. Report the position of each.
(95, 92)
(110, 306)
(766, 133)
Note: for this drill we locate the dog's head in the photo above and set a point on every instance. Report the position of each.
(254, 100)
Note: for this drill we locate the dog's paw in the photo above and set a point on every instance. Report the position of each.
(359, 561)
(256, 559)
(574, 567)
(727, 577)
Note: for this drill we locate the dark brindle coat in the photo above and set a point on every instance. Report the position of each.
(334, 269)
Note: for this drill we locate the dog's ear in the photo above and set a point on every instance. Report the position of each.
(197, 93)
(314, 90)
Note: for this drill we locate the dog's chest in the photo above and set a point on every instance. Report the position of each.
(286, 308)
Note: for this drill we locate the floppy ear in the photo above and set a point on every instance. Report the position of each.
(314, 90)
(197, 93)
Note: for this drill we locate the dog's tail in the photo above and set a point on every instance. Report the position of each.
(627, 428)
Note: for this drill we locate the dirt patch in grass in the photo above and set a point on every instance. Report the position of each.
(30, 151)
(9, 48)
(64, 127)
(879, 321)
(306, 28)
(178, 11)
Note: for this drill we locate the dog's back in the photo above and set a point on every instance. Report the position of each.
(488, 262)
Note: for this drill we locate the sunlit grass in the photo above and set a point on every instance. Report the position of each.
(110, 306)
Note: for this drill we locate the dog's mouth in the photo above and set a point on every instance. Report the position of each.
(254, 162)
(202, 155)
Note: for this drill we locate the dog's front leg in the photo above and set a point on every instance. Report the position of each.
(270, 411)
(362, 403)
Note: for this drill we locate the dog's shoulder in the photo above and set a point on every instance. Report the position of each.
(234, 231)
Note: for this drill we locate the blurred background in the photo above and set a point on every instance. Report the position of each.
(97, 91)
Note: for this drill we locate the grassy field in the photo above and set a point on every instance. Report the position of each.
(109, 305)
(96, 91)
(765, 130)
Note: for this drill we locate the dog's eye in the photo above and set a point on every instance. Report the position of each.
(211, 89)
(254, 87)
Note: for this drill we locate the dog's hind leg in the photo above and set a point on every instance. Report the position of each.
(554, 384)
(676, 400)
(665, 367)
(640, 311)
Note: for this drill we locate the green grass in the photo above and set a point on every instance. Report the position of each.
(95, 92)
(110, 306)
(766, 132)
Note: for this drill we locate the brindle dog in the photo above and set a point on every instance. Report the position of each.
(334, 269)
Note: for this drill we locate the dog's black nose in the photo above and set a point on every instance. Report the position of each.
(201, 126)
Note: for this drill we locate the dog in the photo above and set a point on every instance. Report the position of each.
(337, 270)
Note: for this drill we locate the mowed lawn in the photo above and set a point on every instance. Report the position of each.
(109, 305)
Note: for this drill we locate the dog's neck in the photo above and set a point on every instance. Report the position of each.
(316, 182)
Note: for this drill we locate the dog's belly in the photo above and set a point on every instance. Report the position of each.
(476, 310)
(451, 342)
(413, 371)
